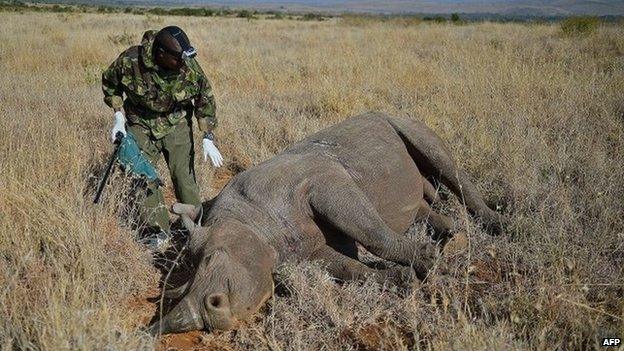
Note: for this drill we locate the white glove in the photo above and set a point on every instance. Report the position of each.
(119, 126)
(211, 150)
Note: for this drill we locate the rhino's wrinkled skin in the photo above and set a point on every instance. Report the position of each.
(361, 180)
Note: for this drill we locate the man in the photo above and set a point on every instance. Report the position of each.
(163, 86)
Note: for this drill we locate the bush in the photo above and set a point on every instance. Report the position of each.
(105, 9)
(246, 14)
(357, 19)
(60, 9)
(224, 13)
(312, 17)
(185, 11)
(277, 15)
(579, 25)
(158, 11)
(437, 19)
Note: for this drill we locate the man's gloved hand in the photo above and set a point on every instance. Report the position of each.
(119, 126)
(211, 150)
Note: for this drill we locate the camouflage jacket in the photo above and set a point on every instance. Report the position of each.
(154, 99)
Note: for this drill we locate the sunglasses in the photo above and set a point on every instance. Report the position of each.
(190, 52)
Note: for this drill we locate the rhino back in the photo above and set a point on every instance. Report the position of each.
(377, 160)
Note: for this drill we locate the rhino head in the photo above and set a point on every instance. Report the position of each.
(231, 282)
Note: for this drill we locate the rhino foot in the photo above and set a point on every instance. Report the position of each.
(424, 259)
(403, 278)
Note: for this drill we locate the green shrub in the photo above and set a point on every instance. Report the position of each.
(357, 19)
(208, 12)
(276, 15)
(583, 25)
(312, 17)
(60, 9)
(246, 14)
(158, 11)
(185, 11)
(436, 19)
(105, 9)
(224, 13)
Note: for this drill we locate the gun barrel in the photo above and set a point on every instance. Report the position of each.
(109, 167)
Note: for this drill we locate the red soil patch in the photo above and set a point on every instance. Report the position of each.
(183, 341)
(143, 309)
(384, 335)
(191, 341)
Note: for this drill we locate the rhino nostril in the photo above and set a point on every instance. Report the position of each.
(216, 301)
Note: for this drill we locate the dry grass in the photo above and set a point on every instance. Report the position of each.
(534, 116)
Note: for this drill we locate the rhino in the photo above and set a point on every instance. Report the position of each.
(364, 180)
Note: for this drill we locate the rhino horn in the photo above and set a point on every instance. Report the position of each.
(182, 318)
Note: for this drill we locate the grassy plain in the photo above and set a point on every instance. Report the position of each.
(536, 117)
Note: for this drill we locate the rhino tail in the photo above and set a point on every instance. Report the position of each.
(434, 160)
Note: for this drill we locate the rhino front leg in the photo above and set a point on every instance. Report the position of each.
(339, 201)
(346, 268)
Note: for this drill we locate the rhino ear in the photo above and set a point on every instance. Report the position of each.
(176, 293)
(188, 209)
(191, 215)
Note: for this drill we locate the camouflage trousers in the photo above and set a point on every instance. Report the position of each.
(177, 148)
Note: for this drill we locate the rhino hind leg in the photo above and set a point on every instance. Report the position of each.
(433, 159)
(341, 203)
(430, 192)
(346, 268)
(443, 226)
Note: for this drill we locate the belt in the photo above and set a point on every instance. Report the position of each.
(141, 112)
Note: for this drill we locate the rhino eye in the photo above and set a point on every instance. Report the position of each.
(219, 256)
(208, 259)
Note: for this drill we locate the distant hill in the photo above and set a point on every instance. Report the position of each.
(519, 7)
(512, 8)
